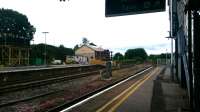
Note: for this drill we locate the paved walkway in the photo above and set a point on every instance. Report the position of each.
(168, 96)
(140, 100)
(153, 93)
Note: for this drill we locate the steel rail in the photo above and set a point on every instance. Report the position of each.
(82, 99)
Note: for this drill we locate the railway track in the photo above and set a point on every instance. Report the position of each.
(32, 84)
(78, 101)
(35, 84)
(17, 87)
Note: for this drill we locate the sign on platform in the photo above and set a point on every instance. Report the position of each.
(128, 7)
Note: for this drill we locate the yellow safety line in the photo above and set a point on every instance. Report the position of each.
(125, 94)
(110, 102)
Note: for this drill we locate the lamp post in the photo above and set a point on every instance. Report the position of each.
(111, 55)
(5, 51)
(171, 37)
(166, 57)
(45, 49)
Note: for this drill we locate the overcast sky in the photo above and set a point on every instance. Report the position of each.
(68, 22)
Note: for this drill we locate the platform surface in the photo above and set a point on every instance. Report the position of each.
(140, 99)
(156, 93)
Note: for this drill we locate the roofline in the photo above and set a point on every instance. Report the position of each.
(90, 47)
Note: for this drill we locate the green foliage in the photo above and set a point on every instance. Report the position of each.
(164, 55)
(132, 56)
(76, 47)
(128, 61)
(138, 54)
(85, 41)
(37, 51)
(160, 56)
(64, 51)
(118, 56)
(153, 57)
(15, 24)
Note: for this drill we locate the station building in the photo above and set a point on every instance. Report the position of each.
(95, 55)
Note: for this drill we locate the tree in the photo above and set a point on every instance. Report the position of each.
(85, 41)
(118, 56)
(61, 46)
(14, 24)
(76, 47)
(65, 51)
(138, 53)
(37, 51)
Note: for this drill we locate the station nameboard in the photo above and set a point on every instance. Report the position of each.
(128, 7)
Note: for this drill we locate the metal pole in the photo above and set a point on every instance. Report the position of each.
(28, 56)
(172, 63)
(171, 34)
(172, 47)
(9, 57)
(190, 57)
(2, 51)
(111, 55)
(166, 57)
(45, 49)
(5, 51)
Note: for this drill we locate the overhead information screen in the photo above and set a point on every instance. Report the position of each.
(128, 7)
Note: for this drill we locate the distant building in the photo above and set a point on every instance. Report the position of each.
(96, 55)
(76, 60)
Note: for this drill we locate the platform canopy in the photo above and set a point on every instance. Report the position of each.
(129, 7)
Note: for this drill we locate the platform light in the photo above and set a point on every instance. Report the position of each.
(45, 52)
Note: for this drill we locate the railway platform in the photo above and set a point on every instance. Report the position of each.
(153, 93)
(168, 96)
